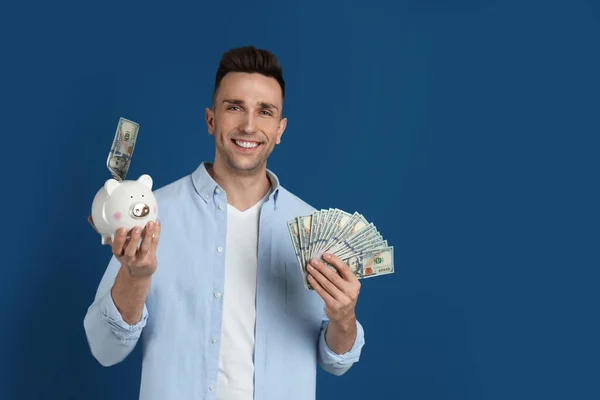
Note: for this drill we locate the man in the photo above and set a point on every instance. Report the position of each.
(214, 285)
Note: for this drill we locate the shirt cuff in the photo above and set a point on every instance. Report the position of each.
(113, 317)
(329, 357)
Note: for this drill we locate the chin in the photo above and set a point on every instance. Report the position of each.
(245, 165)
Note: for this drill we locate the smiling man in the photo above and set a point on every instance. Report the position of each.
(214, 286)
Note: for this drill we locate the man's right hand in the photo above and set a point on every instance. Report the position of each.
(139, 261)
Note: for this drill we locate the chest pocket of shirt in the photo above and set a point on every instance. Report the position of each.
(300, 302)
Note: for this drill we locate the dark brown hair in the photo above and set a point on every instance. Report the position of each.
(250, 59)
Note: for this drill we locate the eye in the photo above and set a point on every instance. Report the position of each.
(132, 197)
(267, 112)
(232, 107)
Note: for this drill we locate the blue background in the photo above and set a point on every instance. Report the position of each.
(467, 131)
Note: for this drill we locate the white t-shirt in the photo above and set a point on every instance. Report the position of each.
(236, 358)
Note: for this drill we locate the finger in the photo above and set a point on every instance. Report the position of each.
(330, 274)
(327, 298)
(119, 243)
(147, 239)
(134, 239)
(341, 266)
(322, 274)
(155, 236)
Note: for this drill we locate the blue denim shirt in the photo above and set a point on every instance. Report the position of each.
(180, 328)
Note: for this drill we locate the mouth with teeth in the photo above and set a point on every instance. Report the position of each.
(246, 146)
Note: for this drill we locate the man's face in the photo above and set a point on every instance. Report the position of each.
(246, 120)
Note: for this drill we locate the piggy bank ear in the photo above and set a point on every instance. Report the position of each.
(110, 185)
(146, 180)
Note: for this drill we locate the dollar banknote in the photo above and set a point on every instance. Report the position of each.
(351, 237)
(119, 158)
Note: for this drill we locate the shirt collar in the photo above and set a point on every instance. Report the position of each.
(206, 186)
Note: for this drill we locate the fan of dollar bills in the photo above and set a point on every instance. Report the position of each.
(349, 236)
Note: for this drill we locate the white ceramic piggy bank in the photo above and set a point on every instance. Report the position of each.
(124, 204)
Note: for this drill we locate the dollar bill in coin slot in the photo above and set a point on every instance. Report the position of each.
(119, 158)
(121, 203)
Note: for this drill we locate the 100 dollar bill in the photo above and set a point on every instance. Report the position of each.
(119, 158)
(349, 236)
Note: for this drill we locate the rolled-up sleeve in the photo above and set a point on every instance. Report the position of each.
(110, 338)
(112, 317)
(338, 364)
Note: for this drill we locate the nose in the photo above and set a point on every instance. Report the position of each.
(140, 210)
(248, 124)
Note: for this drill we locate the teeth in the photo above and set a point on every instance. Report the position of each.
(247, 145)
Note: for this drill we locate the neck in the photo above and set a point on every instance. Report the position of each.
(243, 189)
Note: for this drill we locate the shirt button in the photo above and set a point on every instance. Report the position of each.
(206, 196)
(220, 249)
(218, 190)
(220, 207)
(218, 294)
(213, 341)
(211, 388)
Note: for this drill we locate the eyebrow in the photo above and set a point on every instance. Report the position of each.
(262, 104)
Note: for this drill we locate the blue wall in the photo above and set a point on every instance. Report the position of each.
(467, 131)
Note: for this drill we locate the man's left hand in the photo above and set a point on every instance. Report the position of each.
(339, 291)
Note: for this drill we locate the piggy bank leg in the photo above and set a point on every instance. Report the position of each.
(107, 240)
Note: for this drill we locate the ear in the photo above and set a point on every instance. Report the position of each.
(146, 180)
(110, 186)
(281, 129)
(209, 115)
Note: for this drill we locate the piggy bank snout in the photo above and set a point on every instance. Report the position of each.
(140, 210)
